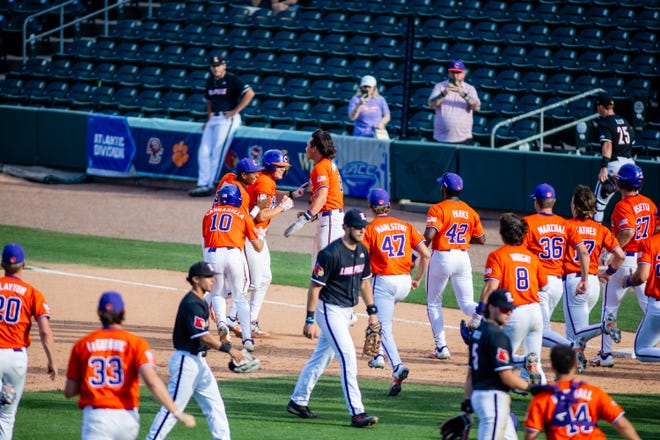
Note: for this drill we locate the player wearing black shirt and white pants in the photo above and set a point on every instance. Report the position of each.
(342, 270)
(490, 371)
(190, 375)
(226, 95)
(616, 138)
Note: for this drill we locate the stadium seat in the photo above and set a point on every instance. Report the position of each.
(214, 37)
(581, 108)
(196, 80)
(325, 111)
(296, 89)
(597, 15)
(563, 36)
(434, 51)
(79, 92)
(647, 66)
(619, 62)
(127, 52)
(648, 19)
(336, 68)
(33, 68)
(33, 89)
(169, 33)
(387, 25)
(54, 89)
(238, 59)
(323, 89)
(511, 33)
(385, 70)
(261, 39)
(582, 83)
(647, 41)
(639, 88)
(513, 56)
(193, 34)
(332, 44)
(309, 41)
(127, 75)
(175, 79)
(495, 11)
(507, 78)
(262, 60)
(125, 29)
(285, 41)
(360, 23)
(361, 45)
(11, 89)
(196, 105)
(590, 38)
(613, 85)
(458, 28)
(309, 18)
(194, 12)
(617, 39)
(79, 48)
(482, 137)
(504, 104)
(533, 80)
(488, 54)
(572, 14)
(147, 31)
(556, 83)
(650, 139)
(105, 73)
(150, 77)
(171, 11)
(433, 28)
(546, 12)
(60, 68)
(387, 47)
(149, 102)
(195, 57)
(101, 96)
(528, 103)
(81, 71)
(236, 38)
(310, 65)
(173, 103)
(537, 35)
(520, 12)
(270, 85)
(483, 31)
(104, 50)
(462, 51)
(172, 56)
(482, 78)
(283, 62)
(360, 67)
(125, 100)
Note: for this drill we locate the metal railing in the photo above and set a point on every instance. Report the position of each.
(63, 25)
(541, 111)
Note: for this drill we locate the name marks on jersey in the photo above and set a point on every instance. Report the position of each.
(390, 227)
(523, 258)
(551, 227)
(106, 345)
(351, 270)
(459, 213)
(16, 288)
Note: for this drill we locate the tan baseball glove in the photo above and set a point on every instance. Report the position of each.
(372, 340)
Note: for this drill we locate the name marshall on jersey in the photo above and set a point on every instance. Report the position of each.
(551, 227)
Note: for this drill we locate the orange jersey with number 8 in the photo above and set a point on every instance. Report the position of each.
(105, 364)
(390, 242)
(518, 270)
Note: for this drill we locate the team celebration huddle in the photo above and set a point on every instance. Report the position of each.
(546, 261)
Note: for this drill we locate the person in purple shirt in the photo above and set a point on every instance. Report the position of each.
(368, 109)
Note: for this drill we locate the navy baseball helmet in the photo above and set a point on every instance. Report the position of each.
(229, 194)
(629, 177)
(274, 158)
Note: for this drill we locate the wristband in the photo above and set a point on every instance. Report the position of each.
(604, 161)
(310, 315)
(481, 308)
(308, 214)
(309, 321)
(290, 194)
(372, 309)
(610, 270)
(466, 406)
(225, 347)
(254, 211)
(628, 283)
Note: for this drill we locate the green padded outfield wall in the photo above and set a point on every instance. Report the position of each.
(46, 137)
(499, 179)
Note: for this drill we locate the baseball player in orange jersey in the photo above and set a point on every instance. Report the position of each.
(247, 171)
(451, 226)
(634, 220)
(549, 238)
(569, 409)
(648, 271)
(19, 303)
(225, 228)
(577, 307)
(264, 189)
(391, 242)
(104, 370)
(517, 269)
(327, 196)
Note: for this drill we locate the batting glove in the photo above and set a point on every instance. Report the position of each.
(300, 191)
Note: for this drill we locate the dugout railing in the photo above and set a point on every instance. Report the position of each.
(541, 114)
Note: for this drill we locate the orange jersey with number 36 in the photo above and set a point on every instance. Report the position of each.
(105, 364)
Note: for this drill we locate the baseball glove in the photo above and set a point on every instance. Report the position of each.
(7, 395)
(372, 340)
(249, 364)
(456, 427)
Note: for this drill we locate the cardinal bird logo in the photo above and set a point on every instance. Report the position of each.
(502, 355)
(200, 323)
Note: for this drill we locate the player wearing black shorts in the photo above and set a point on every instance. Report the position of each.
(342, 271)
(616, 137)
(490, 371)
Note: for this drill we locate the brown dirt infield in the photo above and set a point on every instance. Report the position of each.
(152, 296)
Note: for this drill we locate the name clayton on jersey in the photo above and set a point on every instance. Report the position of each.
(11, 287)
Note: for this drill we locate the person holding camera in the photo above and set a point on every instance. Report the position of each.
(368, 109)
(455, 102)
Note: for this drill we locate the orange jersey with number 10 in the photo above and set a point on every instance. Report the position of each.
(518, 270)
(390, 242)
(650, 254)
(105, 364)
(326, 174)
(227, 226)
(456, 224)
(19, 303)
(594, 236)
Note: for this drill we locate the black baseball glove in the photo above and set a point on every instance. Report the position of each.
(456, 427)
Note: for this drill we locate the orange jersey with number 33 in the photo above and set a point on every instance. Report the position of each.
(105, 364)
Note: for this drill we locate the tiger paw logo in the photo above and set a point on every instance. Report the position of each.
(154, 150)
(180, 154)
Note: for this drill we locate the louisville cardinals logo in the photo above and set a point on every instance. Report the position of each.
(200, 323)
(318, 271)
(502, 355)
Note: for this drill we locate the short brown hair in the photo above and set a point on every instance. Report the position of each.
(513, 228)
(109, 318)
(584, 202)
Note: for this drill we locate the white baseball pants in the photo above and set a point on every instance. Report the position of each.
(110, 424)
(329, 227)
(578, 307)
(260, 277)
(493, 408)
(13, 369)
(389, 290)
(648, 334)
(216, 140)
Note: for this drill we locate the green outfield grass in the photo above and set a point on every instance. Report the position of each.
(257, 410)
(290, 269)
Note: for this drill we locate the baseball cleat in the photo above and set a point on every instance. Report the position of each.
(258, 332)
(601, 360)
(579, 344)
(377, 362)
(532, 368)
(441, 353)
(301, 411)
(609, 328)
(400, 374)
(223, 332)
(362, 420)
(234, 326)
(248, 344)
